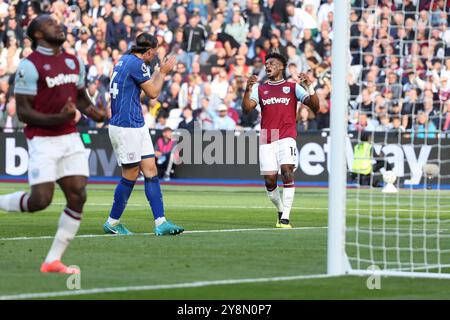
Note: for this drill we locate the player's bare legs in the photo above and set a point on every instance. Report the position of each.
(273, 192)
(287, 175)
(39, 198)
(74, 189)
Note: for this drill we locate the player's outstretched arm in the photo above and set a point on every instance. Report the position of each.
(28, 115)
(87, 108)
(312, 101)
(152, 87)
(247, 103)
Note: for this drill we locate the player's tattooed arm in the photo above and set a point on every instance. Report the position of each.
(30, 116)
(247, 103)
(312, 101)
(87, 108)
(153, 87)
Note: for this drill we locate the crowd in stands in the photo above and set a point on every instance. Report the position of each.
(399, 56)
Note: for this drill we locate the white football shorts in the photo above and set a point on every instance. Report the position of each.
(131, 144)
(273, 155)
(52, 158)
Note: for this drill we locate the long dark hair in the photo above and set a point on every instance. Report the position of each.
(144, 42)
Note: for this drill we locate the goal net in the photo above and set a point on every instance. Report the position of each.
(398, 69)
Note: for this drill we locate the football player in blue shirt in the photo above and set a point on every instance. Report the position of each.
(130, 136)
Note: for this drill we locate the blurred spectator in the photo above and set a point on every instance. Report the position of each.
(205, 116)
(130, 9)
(221, 120)
(306, 121)
(2, 104)
(98, 99)
(84, 38)
(324, 11)
(188, 120)
(12, 30)
(220, 84)
(423, 127)
(384, 123)
(96, 10)
(239, 68)
(189, 94)
(169, 100)
(10, 121)
(249, 120)
(397, 125)
(163, 152)
(296, 20)
(116, 30)
(238, 29)
(194, 38)
(254, 40)
(361, 121)
(293, 58)
(3, 9)
(213, 98)
(10, 56)
(410, 107)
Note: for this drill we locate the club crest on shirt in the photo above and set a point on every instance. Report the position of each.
(131, 156)
(70, 63)
(286, 90)
(35, 173)
(145, 70)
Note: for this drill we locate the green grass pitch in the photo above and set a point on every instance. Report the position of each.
(231, 249)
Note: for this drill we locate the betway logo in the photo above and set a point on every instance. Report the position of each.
(274, 100)
(61, 79)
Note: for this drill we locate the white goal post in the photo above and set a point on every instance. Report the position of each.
(337, 262)
(404, 234)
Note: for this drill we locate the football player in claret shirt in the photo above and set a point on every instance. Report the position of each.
(49, 86)
(278, 100)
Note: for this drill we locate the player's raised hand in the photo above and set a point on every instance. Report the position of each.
(303, 80)
(251, 82)
(69, 110)
(168, 64)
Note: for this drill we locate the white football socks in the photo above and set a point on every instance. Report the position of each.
(160, 221)
(68, 226)
(14, 202)
(275, 197)
(113, 222)
(288, 199)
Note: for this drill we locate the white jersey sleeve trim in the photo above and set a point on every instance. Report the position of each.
(81, 81)
(26, 79)
(254, 95)
(301, 93)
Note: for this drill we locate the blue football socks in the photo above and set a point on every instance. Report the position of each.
(154, 196)
(121, 196)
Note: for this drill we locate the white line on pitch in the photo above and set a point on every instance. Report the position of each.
(195, 284)
(147, 234)
(193, 206)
